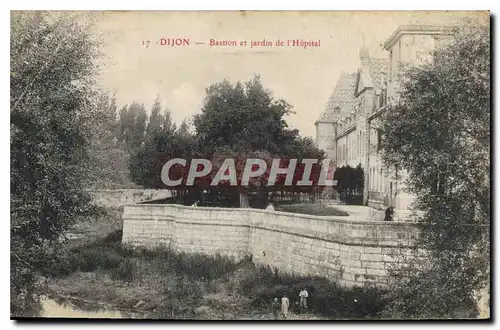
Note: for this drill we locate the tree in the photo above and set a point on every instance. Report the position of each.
(108, 158)
(155, 123)
(124, 122)
(52, 75)
(439, 133)
(238, 121)
(132, 126)
(160, 121)
(146, 164)
(154, 143)
(184, 129)
(243, 117)
(138, 129)
(350, 183)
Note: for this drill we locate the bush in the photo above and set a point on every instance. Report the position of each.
(90, 258)
(180, 299)
(114, 237)
(126, 270)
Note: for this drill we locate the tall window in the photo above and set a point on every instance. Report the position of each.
(354, 146)
(382, 99)
(363, 143)
(357, 145)
(381, 178)
(379, 139)
(399, 50)
(391, 58)
(351, 149)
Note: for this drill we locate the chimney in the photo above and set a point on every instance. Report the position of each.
(364, 56)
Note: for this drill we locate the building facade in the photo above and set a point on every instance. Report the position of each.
(349, 129)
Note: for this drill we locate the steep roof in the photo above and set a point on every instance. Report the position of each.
(378, 66)
(342, 96)
(370, 77)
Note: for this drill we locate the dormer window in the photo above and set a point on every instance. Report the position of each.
(376, 103)
(383, 93)
(383, 97)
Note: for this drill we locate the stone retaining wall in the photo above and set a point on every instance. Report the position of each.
(120, 197)
(353, 252)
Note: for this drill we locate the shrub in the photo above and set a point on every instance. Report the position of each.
(180, 299)
(114, 237)
(90, 258)
(126, 270)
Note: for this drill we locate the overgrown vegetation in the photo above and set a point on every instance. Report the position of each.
(52, 107)
(166, 284)
(327, 298)
(439, 133)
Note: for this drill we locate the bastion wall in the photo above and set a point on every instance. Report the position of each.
(352, 252)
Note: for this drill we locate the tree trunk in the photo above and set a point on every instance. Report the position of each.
(263, 197)
(244, 200)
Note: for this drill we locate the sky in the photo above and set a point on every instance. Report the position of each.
(304, 78)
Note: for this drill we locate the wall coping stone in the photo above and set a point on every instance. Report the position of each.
(340, 219)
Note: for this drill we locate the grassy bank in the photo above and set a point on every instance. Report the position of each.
(312, 209)
(163, 284)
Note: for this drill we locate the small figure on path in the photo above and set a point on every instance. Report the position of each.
(195, 204)
(276, 308)
(303, 295)
(270, 207)
(389, 213)
(285, 303)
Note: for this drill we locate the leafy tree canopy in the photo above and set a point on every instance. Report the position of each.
(439, 133)
(52, 102)
(242, 117)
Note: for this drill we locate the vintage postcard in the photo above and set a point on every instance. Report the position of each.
(250, 165)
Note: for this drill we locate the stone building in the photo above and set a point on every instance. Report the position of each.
(349, 128)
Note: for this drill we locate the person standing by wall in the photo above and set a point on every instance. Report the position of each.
(303, 295)
(285, 303)
(275, 307)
